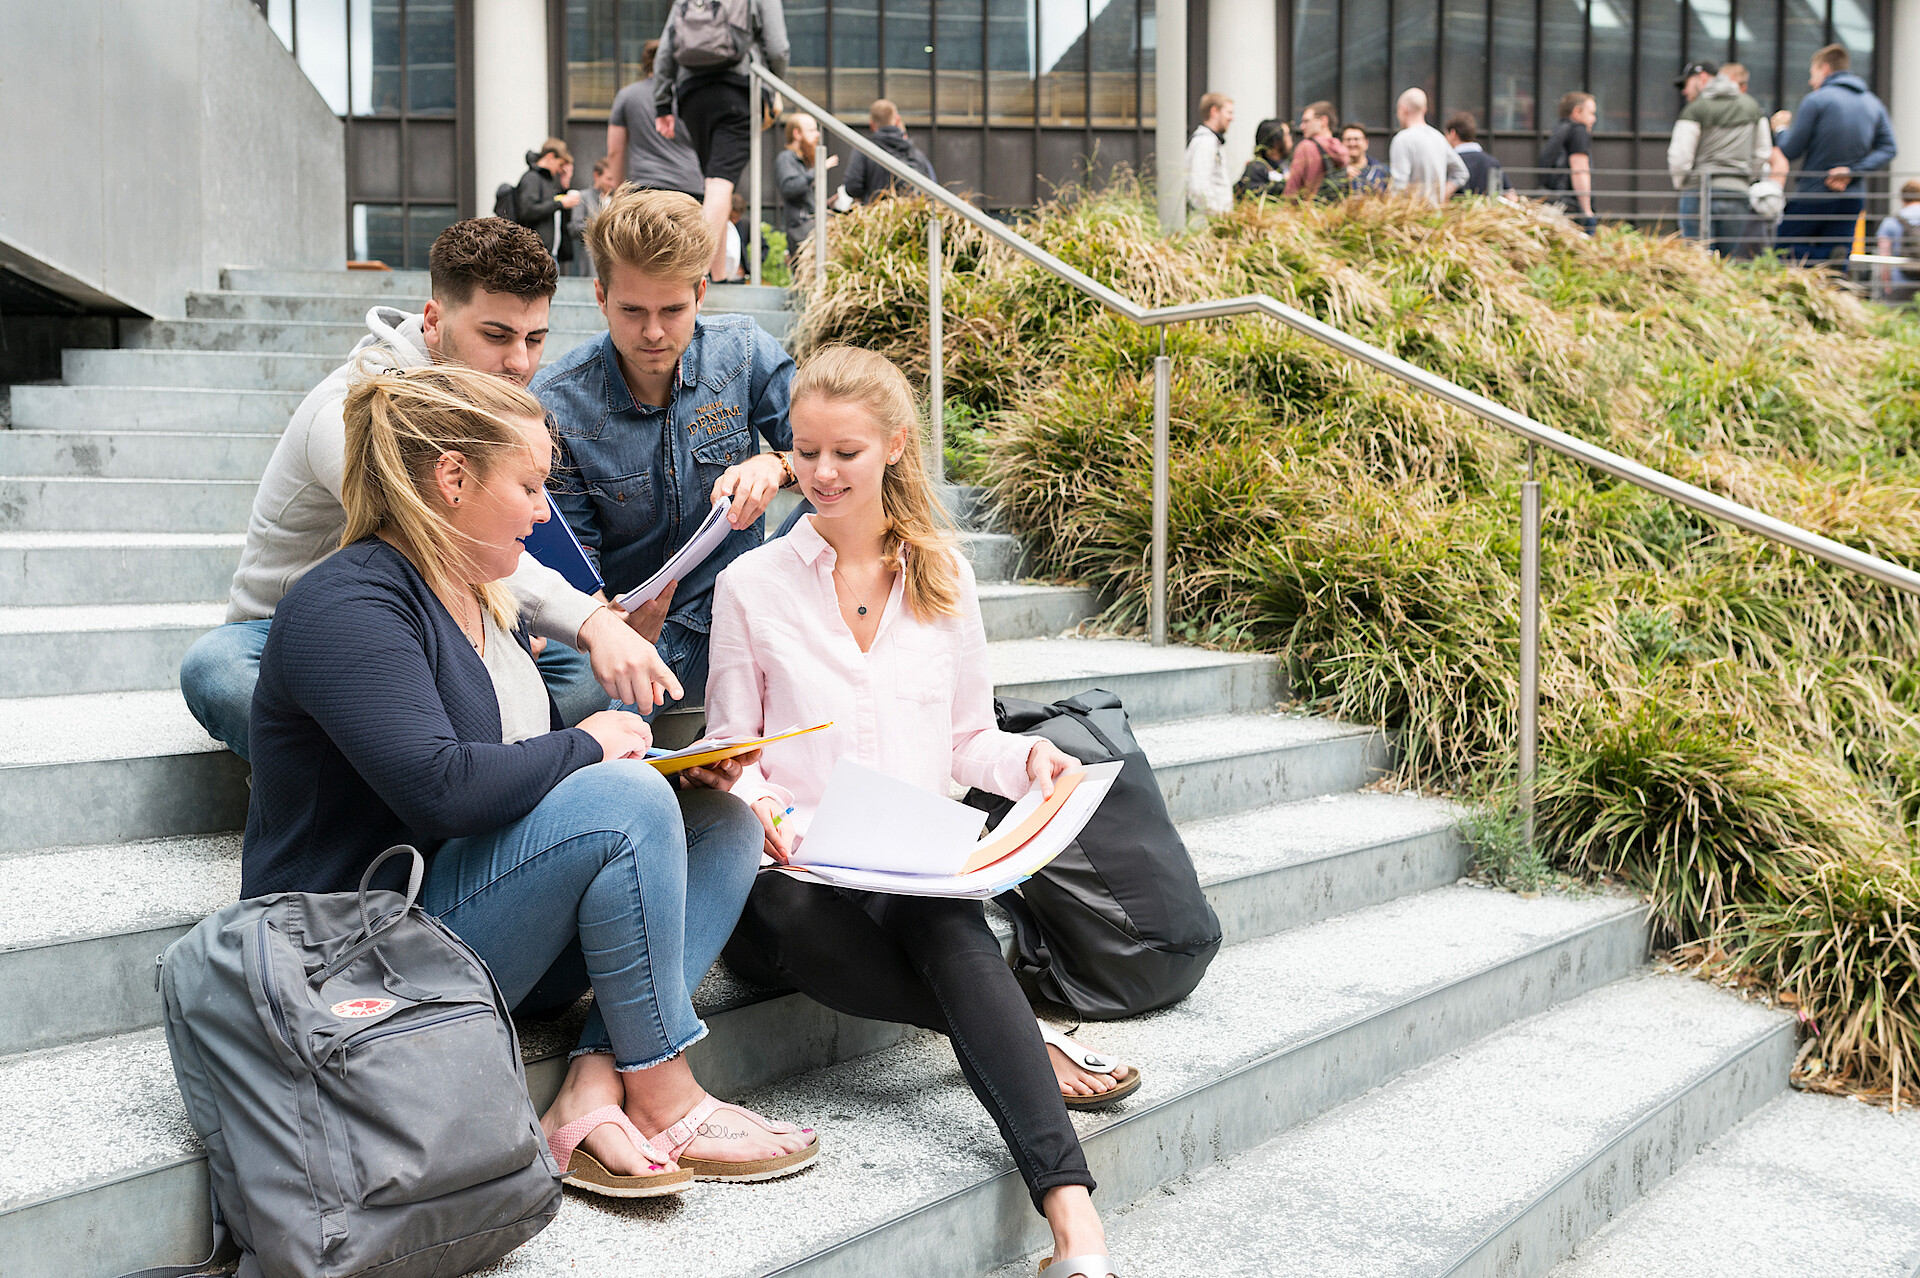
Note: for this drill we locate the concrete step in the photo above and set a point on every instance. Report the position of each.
(53, 503)
(103, 767)
(295, 337)
(53, 651)
(1498, 1159)
(85, 922)
(100, 767)
(913, 1176)
(996, 557)
(1808, 1187)
(202, 370)
(84, 648)
(126, 454)
(59, 568)
(152, 408)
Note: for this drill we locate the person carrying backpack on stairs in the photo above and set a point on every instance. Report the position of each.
(1899, 236)
(703, 65)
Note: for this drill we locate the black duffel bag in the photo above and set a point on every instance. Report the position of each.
(1117, 924)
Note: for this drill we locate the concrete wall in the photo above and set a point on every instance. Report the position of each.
(174, 137)
(510, 97)
(1903, 89)
(1242, 63)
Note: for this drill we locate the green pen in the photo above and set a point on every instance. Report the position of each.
(781, 817)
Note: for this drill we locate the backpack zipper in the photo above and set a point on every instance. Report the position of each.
(265, 964)
(389, 1030)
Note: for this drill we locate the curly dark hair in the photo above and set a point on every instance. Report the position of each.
(491, 254)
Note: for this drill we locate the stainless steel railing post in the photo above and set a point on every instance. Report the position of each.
(1157, 601)
(753, 185)
(820, 213)
(936, 354)
(1529, 644)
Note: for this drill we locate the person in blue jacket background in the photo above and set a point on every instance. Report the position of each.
(1840, 133)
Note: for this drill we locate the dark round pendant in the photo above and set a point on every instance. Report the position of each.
(863, 610)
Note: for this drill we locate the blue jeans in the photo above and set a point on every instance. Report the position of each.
(1690, 214)
(684, 649)
(617, 880)
(1816, 226)
(218, 674)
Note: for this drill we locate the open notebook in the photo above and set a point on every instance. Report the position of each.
(880, 834)
(713, 749)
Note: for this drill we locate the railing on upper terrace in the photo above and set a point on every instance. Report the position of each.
(1536, 434)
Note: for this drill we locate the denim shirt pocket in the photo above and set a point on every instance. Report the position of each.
(713, 457)
(623, 505)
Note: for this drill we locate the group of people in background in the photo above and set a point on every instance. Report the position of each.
(1728, 160)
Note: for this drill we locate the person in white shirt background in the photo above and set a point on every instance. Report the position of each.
(1421, 161)
(866, 614)
(1209, 185)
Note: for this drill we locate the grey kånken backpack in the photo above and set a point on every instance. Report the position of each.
(353, 1071)
(711, 33)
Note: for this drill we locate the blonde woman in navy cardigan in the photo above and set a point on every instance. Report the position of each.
(399, 703)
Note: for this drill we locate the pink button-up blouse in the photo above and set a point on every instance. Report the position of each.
(917, 706)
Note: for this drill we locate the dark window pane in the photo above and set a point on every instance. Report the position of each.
(1366, 98)
(592, 73)
(1806, 33)
(1853, 27)
(1709, 31)
(807, 33)
(1611, 24)
(424, 224)
(320, 30)
(379, 233)
(375, 46)
(1063, 61)
(1465, 58)
(856, 58)
(1757, 46)
(1660, 61)
(1114, 38)
(909, 52)
(1563, 48)
(1514, 96)
(1010, 55)
(957, 51)
(1416, 52)
(430, 57)
(1316, 53)
(640, 21)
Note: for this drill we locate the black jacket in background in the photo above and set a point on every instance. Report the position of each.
(375, 723)
(535, 201)
(1485, 175)
(865, 179)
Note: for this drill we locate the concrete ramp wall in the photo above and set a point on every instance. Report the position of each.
(152, 142)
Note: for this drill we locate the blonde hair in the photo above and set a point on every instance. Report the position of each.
(916, 540)
(399, 423)
(662, 234)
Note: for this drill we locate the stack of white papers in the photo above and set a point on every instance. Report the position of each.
(880, 834)
(705, 540)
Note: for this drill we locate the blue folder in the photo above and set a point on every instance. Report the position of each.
(554, 545)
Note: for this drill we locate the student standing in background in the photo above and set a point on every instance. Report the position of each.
(793, 173)
(866, 180)
(1209, 189)
(639, 153)
(1567, 158)
(1420, 160)
(1365, 175)
(1485, 175)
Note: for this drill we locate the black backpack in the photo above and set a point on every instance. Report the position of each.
(1117, 924)
(503, 201)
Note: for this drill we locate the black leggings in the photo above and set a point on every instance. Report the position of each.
(922, 961)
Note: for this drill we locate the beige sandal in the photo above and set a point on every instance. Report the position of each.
(1093, 1063)
(583, 1171)
(683, 1133)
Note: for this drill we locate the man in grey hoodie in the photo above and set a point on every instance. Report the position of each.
(493, 282)
(1839, 134)
(1722, 140)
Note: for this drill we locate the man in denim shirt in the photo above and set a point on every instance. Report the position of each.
(656, 420)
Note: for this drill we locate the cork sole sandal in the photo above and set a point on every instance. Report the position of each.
(1092, 1063)
(583, 1170)
(1081, 1267)
(683, 1133)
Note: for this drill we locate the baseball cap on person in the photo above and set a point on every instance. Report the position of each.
(1693, 69)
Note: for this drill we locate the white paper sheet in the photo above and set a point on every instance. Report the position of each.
(705, 540)
(871, 821)
(1049, 843)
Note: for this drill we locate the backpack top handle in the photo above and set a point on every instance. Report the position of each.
(369, 934)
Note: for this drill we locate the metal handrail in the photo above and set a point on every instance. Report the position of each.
(1534, 432)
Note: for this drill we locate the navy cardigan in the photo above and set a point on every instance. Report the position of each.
(376, 723)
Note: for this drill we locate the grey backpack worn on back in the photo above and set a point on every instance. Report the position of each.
(711, 33)
(354, 1073)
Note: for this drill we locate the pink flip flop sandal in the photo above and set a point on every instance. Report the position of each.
(682, 1134)
(583, 1170)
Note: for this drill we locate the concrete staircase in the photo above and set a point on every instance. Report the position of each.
(1356, 955)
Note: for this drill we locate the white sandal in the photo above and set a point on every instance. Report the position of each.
(1081, 1267)
(1093, 1063)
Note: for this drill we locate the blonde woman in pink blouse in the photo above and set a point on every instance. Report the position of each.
(866, 615)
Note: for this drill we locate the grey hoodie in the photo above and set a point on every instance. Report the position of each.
(297, 517)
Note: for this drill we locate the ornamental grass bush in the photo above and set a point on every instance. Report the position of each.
(1731, 727)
